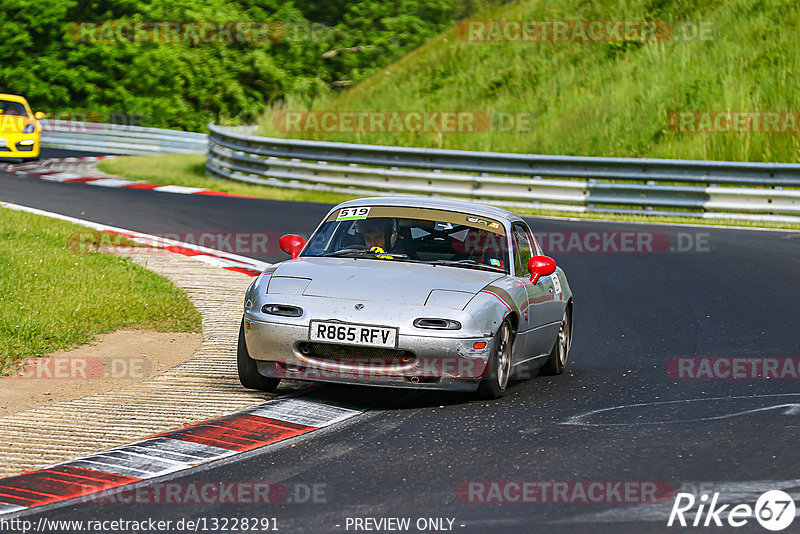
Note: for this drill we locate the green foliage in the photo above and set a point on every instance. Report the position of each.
(186, 84)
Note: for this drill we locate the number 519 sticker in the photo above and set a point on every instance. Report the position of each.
(346, 214)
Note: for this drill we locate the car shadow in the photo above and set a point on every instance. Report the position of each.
(386, 398)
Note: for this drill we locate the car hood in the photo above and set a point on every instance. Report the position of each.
(382, 280)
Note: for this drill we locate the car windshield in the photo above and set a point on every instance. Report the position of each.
(7, 107)
(419, 235)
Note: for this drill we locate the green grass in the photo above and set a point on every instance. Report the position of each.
(189, 170)
(597, 99)
(53, 298)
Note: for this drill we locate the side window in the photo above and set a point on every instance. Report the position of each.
(321, 241)
(522, 250)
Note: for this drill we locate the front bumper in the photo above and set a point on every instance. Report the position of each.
(419, 361)
(19, 145)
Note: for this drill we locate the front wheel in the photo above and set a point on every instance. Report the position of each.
(248, 370)
(558, 356)
(494, 385)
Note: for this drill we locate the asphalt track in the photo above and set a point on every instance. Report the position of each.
(734, 297)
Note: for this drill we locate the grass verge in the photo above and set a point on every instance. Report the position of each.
(52, 298)
(188, 170)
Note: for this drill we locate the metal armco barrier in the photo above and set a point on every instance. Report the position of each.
(119, 139)
(660, 187)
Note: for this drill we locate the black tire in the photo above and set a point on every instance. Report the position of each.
(248, 370)
(494, 385)
(558, 356)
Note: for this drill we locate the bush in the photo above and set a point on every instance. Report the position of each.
(52, 61)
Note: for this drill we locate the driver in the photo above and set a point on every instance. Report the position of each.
(377, 233)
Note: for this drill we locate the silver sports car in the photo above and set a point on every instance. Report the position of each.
(408, 292)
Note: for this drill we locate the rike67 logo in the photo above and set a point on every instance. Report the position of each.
(774, 510)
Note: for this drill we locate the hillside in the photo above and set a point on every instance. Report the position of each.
(597, 97)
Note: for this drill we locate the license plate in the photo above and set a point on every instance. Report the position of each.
(3, 142)
(352, 334)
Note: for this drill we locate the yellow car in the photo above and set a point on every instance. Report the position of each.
(20, 130)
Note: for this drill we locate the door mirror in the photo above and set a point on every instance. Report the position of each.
(292, 244)
(541, 266)
(39, 115)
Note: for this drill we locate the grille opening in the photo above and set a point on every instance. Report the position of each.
(353, 354)
(423, 379)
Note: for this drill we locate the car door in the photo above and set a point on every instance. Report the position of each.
(536, 312)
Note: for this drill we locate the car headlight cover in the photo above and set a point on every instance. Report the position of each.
(288, 285)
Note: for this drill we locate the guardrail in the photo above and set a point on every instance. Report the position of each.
(119, 139)
(660, 187)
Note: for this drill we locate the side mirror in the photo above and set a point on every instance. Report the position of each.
(39, 115)
(541, 266)
(292, 244)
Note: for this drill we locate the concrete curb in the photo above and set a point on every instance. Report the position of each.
(37, 445)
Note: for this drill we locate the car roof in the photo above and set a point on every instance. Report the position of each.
(434, 203)
(13, 98)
